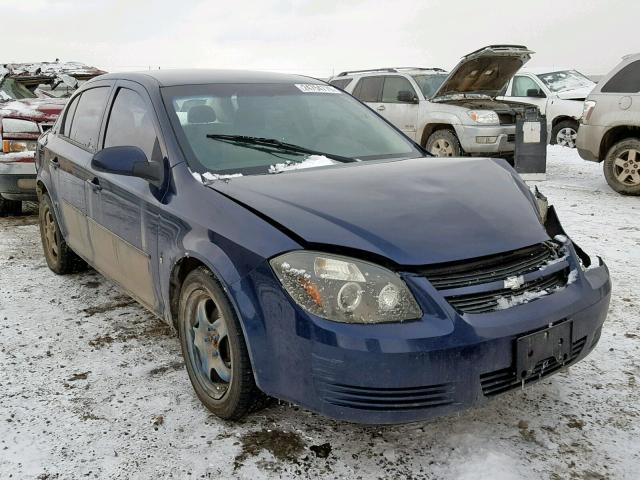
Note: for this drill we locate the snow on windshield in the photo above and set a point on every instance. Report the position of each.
(565, 80)
(311, 161)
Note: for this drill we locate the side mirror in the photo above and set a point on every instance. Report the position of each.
(129, 161)
(405, 96)
(534, 92)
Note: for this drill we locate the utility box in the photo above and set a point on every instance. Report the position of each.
(530, 159)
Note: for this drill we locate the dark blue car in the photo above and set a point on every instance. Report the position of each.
(303, 248)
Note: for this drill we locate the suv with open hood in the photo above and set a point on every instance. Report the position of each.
(448, 114)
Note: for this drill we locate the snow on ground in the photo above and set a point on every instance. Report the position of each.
(93, 386)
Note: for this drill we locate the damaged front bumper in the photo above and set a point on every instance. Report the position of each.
(403, 372)
(474, 139)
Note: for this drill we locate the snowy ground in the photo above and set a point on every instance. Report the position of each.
(93, 386)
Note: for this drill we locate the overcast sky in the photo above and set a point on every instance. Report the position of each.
(315, 37)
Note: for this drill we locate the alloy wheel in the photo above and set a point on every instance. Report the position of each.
(52, 243)
(566, 137)
(208, 345)
(442, 148)
(626, 167)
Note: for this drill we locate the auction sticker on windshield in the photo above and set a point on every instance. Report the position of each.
(312, 88)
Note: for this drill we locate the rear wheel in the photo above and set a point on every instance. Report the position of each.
(622, 167)
(565, 133)
(444, 143)
(9, 207)
(60, 258)
(214, 348)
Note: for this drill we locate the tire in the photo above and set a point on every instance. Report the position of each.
(60, 258)
(622, 167)
(565, 133)
(222, 378)
(9, 207)
(444, 143)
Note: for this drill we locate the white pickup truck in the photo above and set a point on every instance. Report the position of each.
(559, 94)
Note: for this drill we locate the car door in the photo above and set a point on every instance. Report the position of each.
(69, 154)
(123, 210)
(523, 86)
(400, 104)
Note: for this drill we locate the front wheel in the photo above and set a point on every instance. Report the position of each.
(214, 349)
(565, 134)
(444, 143)
(622, 167)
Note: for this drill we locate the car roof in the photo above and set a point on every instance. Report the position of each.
(542, 70)
(387, 70)
(174, 77)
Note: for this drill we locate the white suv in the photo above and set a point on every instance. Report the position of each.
(559, 94)
(448, 114)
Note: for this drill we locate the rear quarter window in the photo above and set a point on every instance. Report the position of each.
(85, 126)
(341, 83)
(626, 80)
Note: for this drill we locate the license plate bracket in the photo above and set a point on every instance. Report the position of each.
(539, 349)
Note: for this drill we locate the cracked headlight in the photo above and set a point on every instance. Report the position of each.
(345, 290)
(485, 117)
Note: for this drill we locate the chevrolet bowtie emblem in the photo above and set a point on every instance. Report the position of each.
(514, 282)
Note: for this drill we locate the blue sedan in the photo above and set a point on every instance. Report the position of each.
(304, 249)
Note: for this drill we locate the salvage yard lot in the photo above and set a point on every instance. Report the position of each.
(93, 386)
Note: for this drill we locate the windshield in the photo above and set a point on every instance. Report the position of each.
(565, 80)
(316, 118)
(12, 90)
(429, 83)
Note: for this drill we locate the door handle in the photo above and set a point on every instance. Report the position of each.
(54, 162)
(94, 183)
(381, 108)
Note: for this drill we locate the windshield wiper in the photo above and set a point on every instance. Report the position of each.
(259, 143)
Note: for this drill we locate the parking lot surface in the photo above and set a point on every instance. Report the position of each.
(93, 386)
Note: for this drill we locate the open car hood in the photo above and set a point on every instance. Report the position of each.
(486, 71)
(412, 212)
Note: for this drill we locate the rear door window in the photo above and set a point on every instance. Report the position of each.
(392, 88)
(88, 116)
(369, 89)
(131, 123)
(626, 80)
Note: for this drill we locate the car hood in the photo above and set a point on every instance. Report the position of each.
(36, 109)
(576, 93)
(486, 71)
(412, 212)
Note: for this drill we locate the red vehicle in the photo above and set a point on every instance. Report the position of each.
(21, 123)
(24, 116)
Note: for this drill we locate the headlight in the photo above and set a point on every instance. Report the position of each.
(343, 289)
(486, 117)
(11, 146)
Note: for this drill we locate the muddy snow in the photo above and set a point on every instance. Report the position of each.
(93, 386)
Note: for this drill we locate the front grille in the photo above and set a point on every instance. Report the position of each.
(496, 268)
(511, 137)
(365, 398)
(484, 302)
(500, 381)
(507, 118)
(490, 268)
